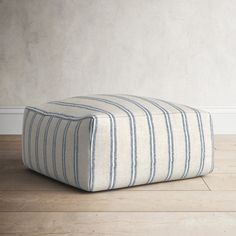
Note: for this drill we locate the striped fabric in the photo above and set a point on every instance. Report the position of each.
(103, 142)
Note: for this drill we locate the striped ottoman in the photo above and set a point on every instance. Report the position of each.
(113, 141)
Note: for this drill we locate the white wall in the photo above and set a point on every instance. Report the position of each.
(181, 50)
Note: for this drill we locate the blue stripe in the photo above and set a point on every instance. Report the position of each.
(113, 138)
(202, 140)
(92, 161)
(90, 126)
(24, 136)
(76, 152)
(37, 143)
(168, 128)
(45, 146)
(132, 134)
(29, 140)
(187, 142)
(54, 141)
(64, 151)
(151, 135)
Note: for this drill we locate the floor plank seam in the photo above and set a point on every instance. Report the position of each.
(206, 184)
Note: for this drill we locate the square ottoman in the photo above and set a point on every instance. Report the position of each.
(103, 142)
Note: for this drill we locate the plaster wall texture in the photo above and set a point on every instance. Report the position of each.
(179, 50)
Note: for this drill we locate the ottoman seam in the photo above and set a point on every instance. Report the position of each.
(63, 116)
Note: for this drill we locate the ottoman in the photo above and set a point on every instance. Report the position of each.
(103, 142)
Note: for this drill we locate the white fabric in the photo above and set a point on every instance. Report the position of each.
(112, 141)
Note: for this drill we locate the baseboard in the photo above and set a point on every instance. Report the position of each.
(11, 119)
(224, 119)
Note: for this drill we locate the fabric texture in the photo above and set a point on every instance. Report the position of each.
(103, 142)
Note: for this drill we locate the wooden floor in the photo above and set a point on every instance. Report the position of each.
(31, 204)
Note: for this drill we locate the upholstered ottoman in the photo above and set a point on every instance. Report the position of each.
(113, 141)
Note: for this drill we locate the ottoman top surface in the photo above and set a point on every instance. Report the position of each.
(106, 105)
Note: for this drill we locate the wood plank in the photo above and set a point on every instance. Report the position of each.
(221, 182)
(11, 165)
(225, 161)
(118, 200)
(27, 180)
(139, 223)
(194, 184)
(10, 138)
(24, 179)
(10, 143)
(225, 142)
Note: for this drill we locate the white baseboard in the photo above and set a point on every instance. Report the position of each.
(11, 119)
(224, 119)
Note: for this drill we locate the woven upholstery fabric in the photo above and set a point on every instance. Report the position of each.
(103, 142)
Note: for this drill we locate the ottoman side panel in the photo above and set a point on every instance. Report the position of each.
(206, 164)
(26, 123)
(193, 154)
(102, 153)
(31, 126)
(83, 152)
(57, 146)
(191, 144)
